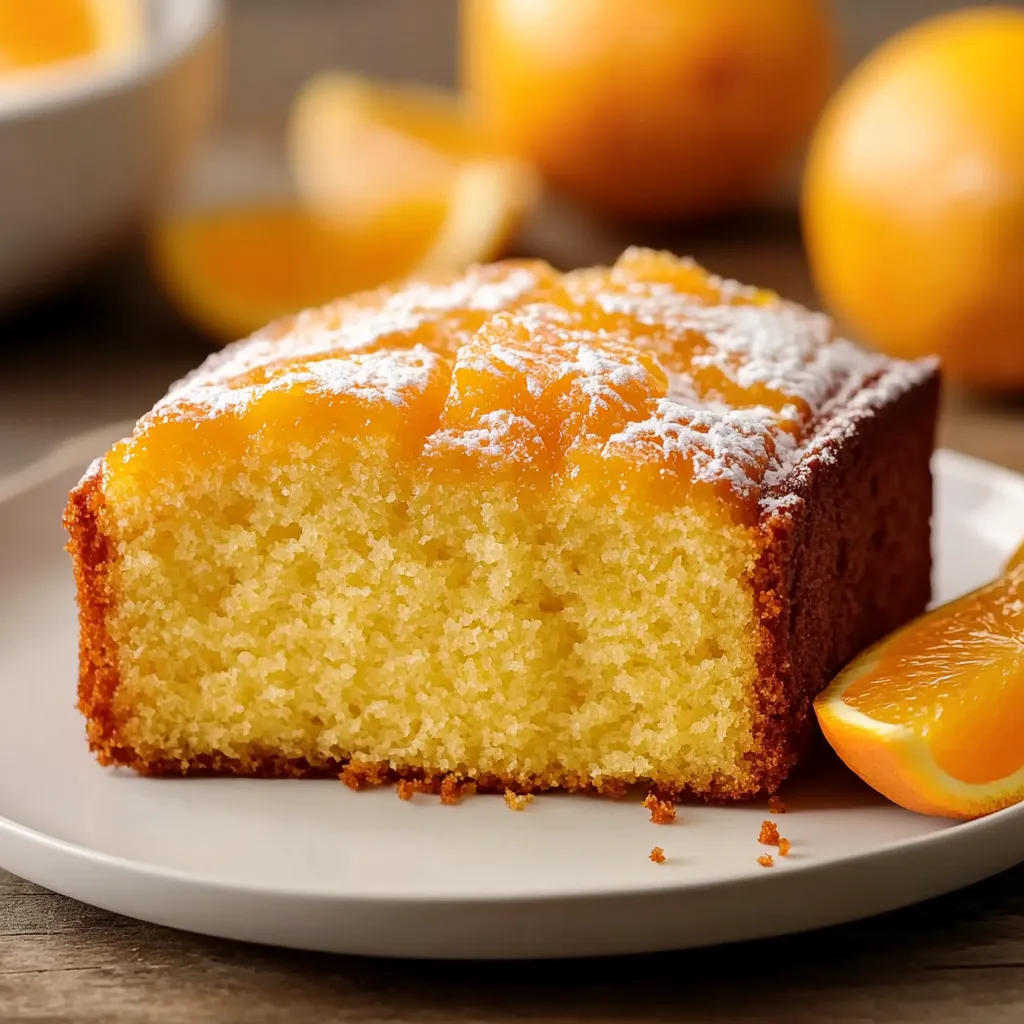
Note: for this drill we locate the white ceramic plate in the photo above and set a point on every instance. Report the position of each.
(314, 865)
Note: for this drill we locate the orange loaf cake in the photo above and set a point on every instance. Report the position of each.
(526, 528)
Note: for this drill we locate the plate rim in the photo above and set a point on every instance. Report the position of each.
(77, 450)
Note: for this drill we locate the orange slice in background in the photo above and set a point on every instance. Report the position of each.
(38, 33)
(391, 182)
(933, 716)
(362, 152)
(231, 271)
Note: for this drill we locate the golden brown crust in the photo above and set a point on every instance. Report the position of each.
(92, 555)
(842, 564)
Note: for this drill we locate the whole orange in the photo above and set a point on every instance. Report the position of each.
(662, 108)
(913, 198)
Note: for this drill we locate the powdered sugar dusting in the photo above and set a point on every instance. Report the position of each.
(730, 447)
(499, 436)
(387, 318)
(389, 376)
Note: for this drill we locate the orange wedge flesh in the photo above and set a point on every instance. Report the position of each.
(355, 145)
(933, 716)
(232, 271)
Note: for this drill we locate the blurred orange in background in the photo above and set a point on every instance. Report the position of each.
(913, 199)
(669, 109)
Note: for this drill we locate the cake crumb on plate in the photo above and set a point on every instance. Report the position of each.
(769, 835)
(663, 812)
(658, 855)
(765, 861)
(358, 775)
(454, 789)
(517, 801)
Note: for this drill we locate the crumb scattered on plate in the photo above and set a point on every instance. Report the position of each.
(765, 861)
(454, 789)
(658, 855)
(769, 834)
(663, 812)
(358, 775)
(784, 847)
(517, 801)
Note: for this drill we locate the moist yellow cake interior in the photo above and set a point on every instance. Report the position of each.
(324, 602)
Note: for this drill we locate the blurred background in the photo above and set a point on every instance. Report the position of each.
(175, 173)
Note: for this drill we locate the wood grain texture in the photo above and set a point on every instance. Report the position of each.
(956, 959)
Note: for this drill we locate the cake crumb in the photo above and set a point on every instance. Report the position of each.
(517, 801)
(453, 789)
(406, 788)
(765, 861)
(775, 805)
(769, 834)
(358, 775)
(784, 847)
(658, 855)
(663, 812)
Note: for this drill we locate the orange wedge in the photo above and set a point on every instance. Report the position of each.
(933, 716)
(231, 271)
(391, 183)
(37, 33)
(359, 149)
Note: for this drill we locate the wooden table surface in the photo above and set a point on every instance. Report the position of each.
(104, 350)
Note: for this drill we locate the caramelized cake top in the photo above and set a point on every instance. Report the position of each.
(652, 374)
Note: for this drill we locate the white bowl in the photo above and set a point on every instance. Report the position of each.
(87, 158)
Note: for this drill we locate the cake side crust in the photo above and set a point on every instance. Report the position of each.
(93, 554)
(846, 559)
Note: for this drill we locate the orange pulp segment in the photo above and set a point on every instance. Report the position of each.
(359, 148)
(933, 716)
(232, 271)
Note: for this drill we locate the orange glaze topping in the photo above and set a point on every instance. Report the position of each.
(651, 374)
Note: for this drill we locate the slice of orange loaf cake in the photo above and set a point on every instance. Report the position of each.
(528, 528)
